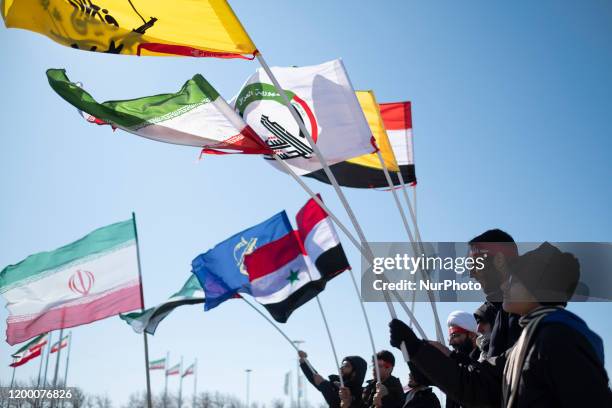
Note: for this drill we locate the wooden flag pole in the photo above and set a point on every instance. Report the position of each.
(432, 300)
(142, 302)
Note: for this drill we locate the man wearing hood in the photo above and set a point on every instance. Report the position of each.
(419, 394)
(557, 361)
(353, 371)
(485, 319)
(497, 248)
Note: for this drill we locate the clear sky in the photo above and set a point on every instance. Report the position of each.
(511, 106)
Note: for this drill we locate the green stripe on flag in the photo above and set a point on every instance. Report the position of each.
(135, 113)
(97, 242)
(29, 344)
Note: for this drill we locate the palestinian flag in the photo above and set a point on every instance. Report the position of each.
(365, 171)
(189, 370)
(90, 279)
(397, 117)
(190, 294)
(174, 370)
(194, 116)
(30, 351)
(60, 344)
(157, 364)
(290, 271)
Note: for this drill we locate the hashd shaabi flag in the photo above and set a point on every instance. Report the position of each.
(366, 171)
(194, 116)
(397, 117)
(324, 99)
(174, 370)
(203, 28)
(29, 351)
(284, 276)
(221, 270)
(157, 364)
(63, 343)
(87, 280)
(191, 293)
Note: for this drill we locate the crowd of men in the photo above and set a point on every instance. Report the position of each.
(519, 349)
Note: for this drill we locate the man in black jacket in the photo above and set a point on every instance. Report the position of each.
(388, 394)
(353, 371)
(557, 361)
(498, 248)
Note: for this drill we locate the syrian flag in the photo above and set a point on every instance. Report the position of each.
(324, 99)
(397, 117)
(60, 344)
(30, 351)
(175, 370)
(194, 116)
(190, 294)
(284, 275)
(189, 370)
(157, 364)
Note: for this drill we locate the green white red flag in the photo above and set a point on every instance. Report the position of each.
(157, 364)
(189, 370)
(60, 344)
(174, 370)
(30, 351)
(88, 280)
(194, 116)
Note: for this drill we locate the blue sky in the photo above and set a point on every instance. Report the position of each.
(510, 104)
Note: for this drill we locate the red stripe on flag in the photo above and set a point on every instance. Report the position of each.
(27, 358)
(274, 255)
(188, 51)
(308, 217)
(120, 301)
(396, 115)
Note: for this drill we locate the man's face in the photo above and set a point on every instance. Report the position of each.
(484, 327)
(493, 274)
(456, 340)
(346, 368)
(385, 369)
(517, 298)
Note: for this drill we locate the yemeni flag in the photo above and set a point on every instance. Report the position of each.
(366, 171)
(189, 370)
(190, 294)
(175, 370)
(157, 364)
(30, 351)
(397, 117)
(194, 116)
(60, 344)
(87, 280)
(324, 99)
(288, 272)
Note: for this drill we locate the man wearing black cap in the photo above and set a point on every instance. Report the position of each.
(485, 319)
(353, 371)
(557, 360)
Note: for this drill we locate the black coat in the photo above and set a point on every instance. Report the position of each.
(561, 369)
(464, 360)
(424, 398)
(505, 331)
(394, 397)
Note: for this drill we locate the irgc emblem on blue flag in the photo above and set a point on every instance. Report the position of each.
(221, 270)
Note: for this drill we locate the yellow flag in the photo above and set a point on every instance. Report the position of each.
(198, 28)
(370, 108)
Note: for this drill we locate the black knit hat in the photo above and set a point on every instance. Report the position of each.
(486, 313)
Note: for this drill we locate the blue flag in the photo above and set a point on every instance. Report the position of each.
(221, 270)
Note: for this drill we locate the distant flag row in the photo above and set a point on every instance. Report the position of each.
(34, 349)
(174, 370)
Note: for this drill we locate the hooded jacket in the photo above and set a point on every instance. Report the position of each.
(330, 388)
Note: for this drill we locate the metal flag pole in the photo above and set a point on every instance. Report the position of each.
(13, 378)
(414, 246)
(166, 364)
(57, 357)
(248, 380)
(67, 359)
(41, 363)
(142, 302)
(195, 381)
(180, 396)
(47, 359)
(297, 374)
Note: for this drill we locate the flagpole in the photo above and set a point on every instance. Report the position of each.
(166, 378)
(67, 359)
(41, 364)
(142, 302)
(47, 359)
(180, 396)
(12, 379)
(195, 381)
(57, 358)
(414, 248)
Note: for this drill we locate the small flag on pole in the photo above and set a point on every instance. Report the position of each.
(29, 351)
(397, 117)
(190, 294)
(203, 28)
(194, 116)
(60, 344)
(87, 280)
(174, 370)
(189, 370)
(157, 364)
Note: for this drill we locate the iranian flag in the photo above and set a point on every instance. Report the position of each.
(30, 351)
(194, 116)
(87, 280)
(60, 344)
(174, 370)
(189, 370)
(324, 99)
(157, 364)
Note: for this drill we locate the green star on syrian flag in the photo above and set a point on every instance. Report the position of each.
(293, 276)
